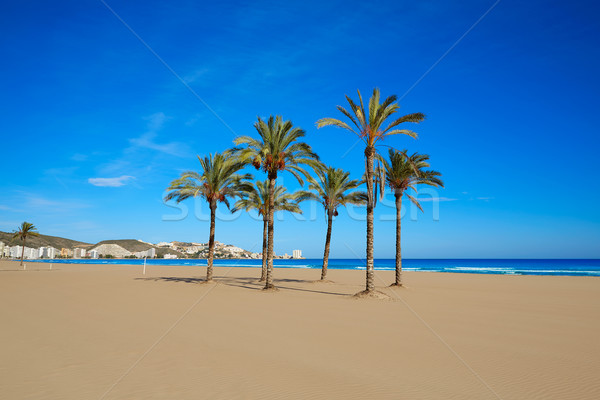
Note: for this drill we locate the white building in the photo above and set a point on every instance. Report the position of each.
(297, 254)
(170, 256)
(235, 251)
(31, 254)
(2, 246)
(78, 253)
(15, 251)
(49, 252)
(93, 253)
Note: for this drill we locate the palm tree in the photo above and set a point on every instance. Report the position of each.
(371, 129)
(278, 149)
(23, 232)
(217, 182)
(257, 198)
(401, 173)
(331, 190)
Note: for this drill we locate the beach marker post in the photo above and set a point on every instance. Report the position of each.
(24, 267)
(50, 266)
(144, 265)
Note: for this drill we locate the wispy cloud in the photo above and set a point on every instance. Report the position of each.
(484, 198)
(38, 202)
(148, 139)
(436, 199)
(111, 182)
(196, 75)
(79, 157)
(27, 202)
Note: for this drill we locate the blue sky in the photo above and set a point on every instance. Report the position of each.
(94, 126)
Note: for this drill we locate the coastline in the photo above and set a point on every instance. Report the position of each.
(560, 267)
(75, 330)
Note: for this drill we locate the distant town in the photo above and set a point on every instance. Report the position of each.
(130, 248)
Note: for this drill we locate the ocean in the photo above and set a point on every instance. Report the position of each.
(563, 267)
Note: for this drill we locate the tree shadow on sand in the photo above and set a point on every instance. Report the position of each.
(246, 283)
(173, 279)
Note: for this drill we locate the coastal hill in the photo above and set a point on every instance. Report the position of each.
(126, 247)
(44, 241)
(134, 246)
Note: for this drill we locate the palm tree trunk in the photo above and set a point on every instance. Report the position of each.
(369, 154)
(263, 275)
(211, 242)
(22, 253)
(398, 282)
(327, 244)
(269, 280)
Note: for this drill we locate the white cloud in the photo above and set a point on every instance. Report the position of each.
(111, 182)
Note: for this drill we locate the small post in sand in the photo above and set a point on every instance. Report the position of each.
(144, 265)
(51, 266)
(24, 267)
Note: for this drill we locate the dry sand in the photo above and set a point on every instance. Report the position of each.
(108, 332)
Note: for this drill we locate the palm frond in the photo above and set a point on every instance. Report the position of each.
(25, 230)
(218, 180)
(403, 172)
(331, 188)
(370, 127)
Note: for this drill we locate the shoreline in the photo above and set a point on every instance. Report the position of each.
(520, 267)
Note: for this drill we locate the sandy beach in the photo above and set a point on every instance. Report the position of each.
(109, 332)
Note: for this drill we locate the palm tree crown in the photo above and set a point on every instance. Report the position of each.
(278, 148)
(217, 182)
(404, 172)
(25, 231)
(331, 189)
(257, 198)
(370, 127)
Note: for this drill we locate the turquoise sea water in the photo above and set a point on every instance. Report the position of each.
(474, 266)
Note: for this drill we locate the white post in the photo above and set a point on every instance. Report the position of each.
(144, 265)
(50, 265)
(24, 267)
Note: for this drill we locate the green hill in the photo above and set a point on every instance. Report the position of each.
(44, 241)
